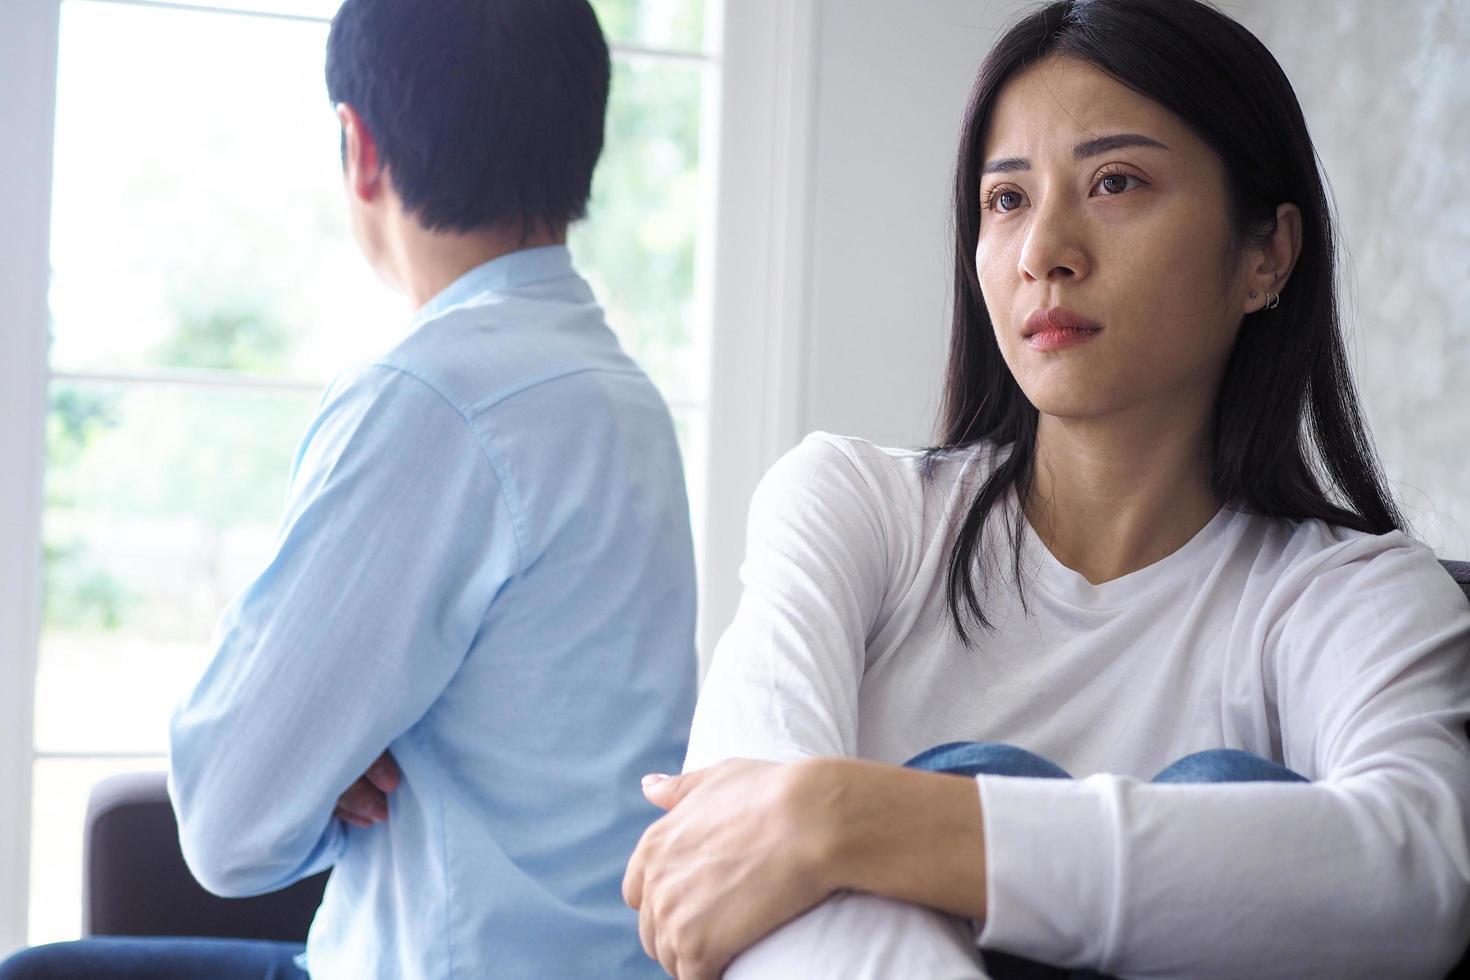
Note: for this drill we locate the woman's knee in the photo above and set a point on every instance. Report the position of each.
(857, 936)
(986, 758)
(1227, 766)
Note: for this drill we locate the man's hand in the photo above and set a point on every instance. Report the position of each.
(366, 801)
(739, 854)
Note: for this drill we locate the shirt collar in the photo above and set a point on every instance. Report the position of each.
(506, 272)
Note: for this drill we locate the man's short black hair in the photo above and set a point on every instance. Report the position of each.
(485, 112)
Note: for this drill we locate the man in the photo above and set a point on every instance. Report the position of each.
(477, 632)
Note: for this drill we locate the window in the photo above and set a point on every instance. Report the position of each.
(204, 289)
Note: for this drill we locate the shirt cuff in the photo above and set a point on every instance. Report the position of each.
(1051, 860)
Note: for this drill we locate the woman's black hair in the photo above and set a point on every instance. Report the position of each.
(1287, 390)
(486, 112)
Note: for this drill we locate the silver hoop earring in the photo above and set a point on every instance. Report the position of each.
(1273, 300)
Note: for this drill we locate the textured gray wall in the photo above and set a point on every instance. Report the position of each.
(1385, 87)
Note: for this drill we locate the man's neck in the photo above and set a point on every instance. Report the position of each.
(426, 262)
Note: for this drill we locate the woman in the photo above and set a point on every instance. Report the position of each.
(1154, 550)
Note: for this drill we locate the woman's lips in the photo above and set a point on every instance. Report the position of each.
(1058, 327)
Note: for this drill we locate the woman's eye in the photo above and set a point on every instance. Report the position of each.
(1115, 183)
(1003, 201)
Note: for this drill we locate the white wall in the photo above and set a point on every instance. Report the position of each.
(839, 126)
(892, 82)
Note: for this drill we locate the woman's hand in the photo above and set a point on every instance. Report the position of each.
(748, 846)
(741, 852)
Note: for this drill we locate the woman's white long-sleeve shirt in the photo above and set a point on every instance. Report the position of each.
(1343, 655)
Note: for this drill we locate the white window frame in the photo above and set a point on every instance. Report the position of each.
(758, 257)
(28, 49)
(761, 268)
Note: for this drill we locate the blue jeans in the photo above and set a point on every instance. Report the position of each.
(998, 759)
(128, 958)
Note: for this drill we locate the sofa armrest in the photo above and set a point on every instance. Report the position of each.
(135, 881)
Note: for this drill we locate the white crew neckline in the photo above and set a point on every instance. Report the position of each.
(1073, 587)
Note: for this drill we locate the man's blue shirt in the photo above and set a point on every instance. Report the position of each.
(485, 566)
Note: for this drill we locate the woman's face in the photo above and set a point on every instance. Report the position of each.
(1100, 201)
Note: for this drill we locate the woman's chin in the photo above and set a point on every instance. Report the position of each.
(1078, 402)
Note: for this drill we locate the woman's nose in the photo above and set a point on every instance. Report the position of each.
(1054, 247)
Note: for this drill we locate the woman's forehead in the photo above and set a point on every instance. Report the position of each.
(1060, 102)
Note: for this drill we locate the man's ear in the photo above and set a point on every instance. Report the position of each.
(361, 166)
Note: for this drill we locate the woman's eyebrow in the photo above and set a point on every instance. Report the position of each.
(1081, 151)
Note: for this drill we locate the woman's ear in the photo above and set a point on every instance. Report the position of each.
(1272, 261)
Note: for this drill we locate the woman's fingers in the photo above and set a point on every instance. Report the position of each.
(633, 876)
(648, 934)
(668, 959)
(666, 791)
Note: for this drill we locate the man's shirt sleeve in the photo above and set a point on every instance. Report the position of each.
(398, 533)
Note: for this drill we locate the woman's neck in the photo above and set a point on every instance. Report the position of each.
(1109, 498)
